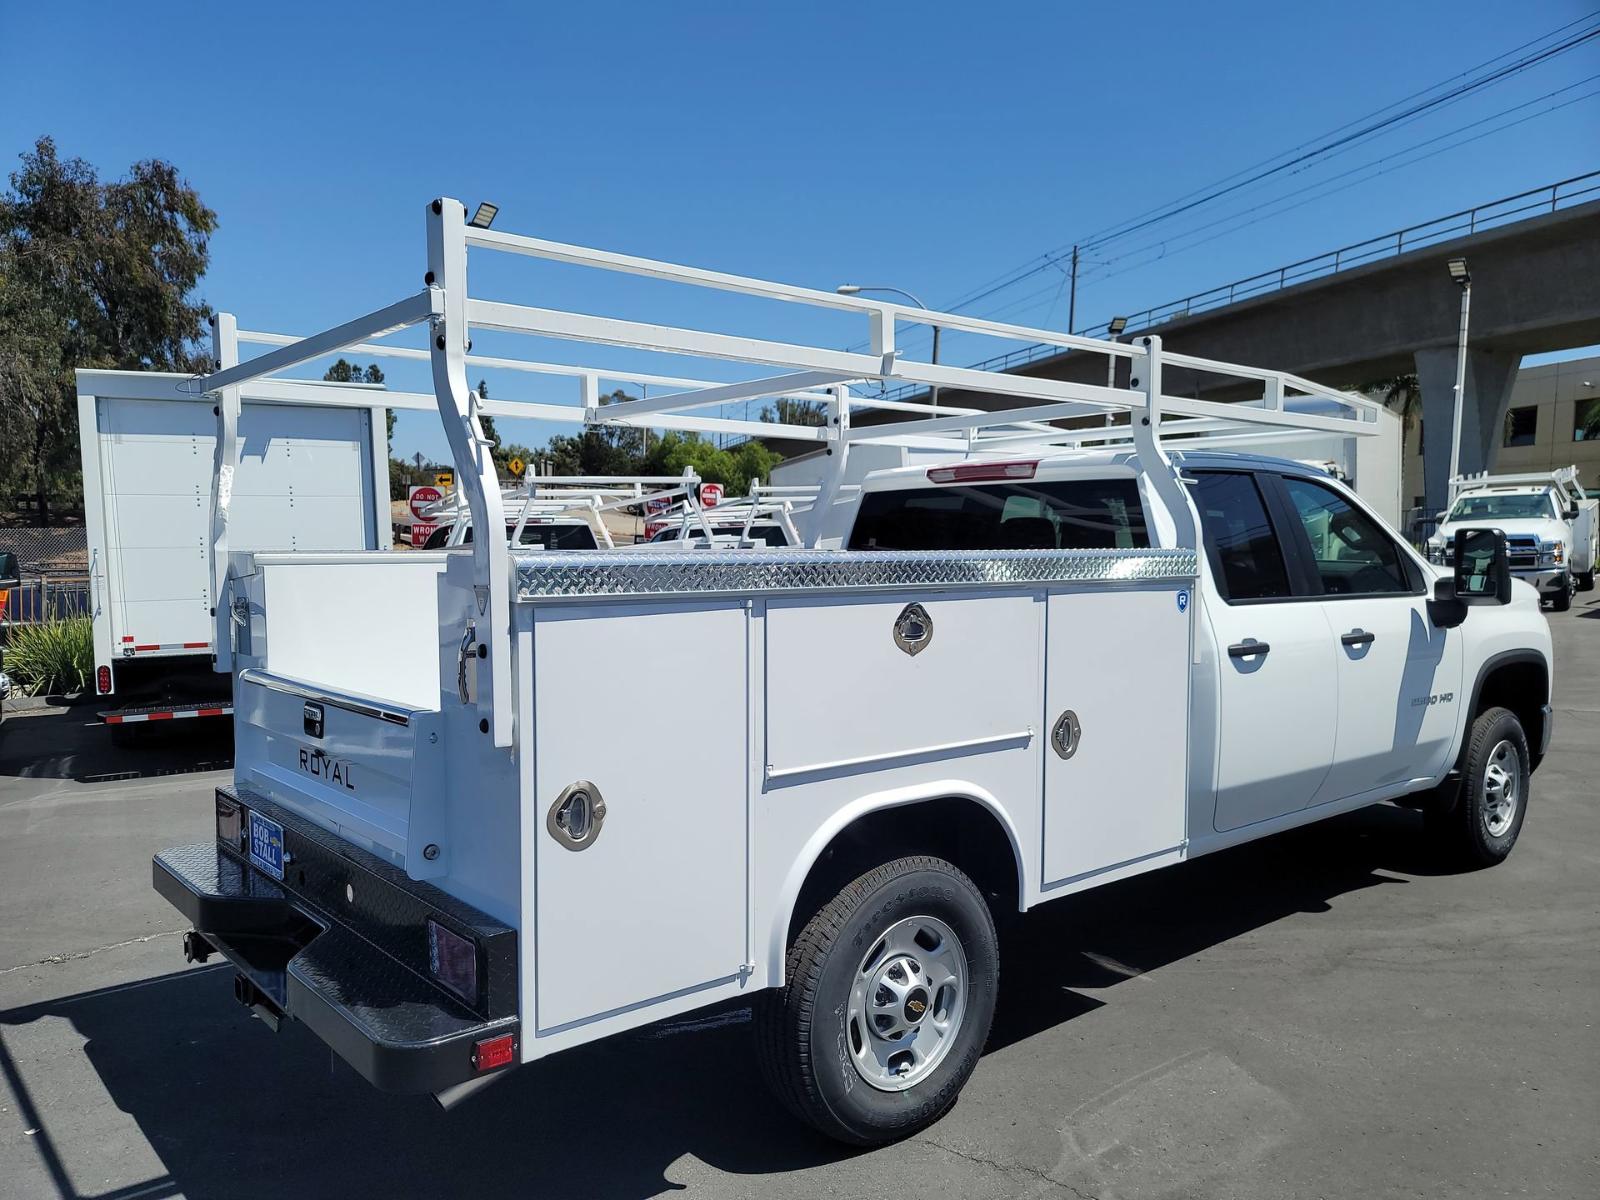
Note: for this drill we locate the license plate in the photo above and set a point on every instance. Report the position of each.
(266, 844)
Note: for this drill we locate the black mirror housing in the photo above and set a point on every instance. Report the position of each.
(1481, 564)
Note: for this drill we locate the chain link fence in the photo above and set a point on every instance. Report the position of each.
(53, 565)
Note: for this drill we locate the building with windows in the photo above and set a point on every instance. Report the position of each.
(1553, 421)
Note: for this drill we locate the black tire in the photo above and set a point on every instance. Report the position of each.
(1562, 600)
(1586, 581)
(805, 1030)
(1463, 833)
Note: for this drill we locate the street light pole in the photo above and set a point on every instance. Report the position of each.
(1458, 272)
(1114, 328)
(855, 289)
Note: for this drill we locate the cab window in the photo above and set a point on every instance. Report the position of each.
(1351, 554)
(1241, 543)
(1072, 514)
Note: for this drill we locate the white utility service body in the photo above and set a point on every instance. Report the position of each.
(460, 871)
(1551, 525)
(309, 476)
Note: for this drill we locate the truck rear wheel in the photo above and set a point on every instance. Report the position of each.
(1483, 824)
(890, 995)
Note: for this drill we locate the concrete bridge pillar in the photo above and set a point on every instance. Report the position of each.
(1490, 374)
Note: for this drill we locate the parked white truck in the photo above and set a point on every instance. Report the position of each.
(1550, 525)
(309, 476)
(434, 857)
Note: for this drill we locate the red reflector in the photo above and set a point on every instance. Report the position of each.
(102, 680)
(494, 1052)
(974, 471)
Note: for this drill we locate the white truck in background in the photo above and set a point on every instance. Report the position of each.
(1025, 672)
(311, 476)
(1551, 527)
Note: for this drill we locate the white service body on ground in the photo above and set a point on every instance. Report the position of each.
(1026, 673)
(304, 481)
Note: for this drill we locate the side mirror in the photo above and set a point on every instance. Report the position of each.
(1482, 567)
(1445, 609)
(1572, 513)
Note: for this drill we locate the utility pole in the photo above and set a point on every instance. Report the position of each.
(1072, 297)
(1458, 272)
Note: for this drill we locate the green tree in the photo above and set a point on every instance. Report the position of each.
(1403, 394)
(92, 274)
(786, 410)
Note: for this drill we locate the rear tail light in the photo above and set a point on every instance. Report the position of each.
(453, 960)
(975, 471)
(102, 680)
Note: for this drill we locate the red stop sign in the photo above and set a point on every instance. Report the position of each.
(421, 496)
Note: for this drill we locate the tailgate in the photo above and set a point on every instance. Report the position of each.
(368, 770)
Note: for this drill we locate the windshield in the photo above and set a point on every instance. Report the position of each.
(1502, 506)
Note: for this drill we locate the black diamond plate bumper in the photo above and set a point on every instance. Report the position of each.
(341, 945)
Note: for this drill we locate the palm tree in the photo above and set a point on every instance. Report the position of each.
(1401, 393)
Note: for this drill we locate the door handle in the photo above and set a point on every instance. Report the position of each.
(1357, 637)
(1246, 649)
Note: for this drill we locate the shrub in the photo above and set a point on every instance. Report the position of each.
(56, 655)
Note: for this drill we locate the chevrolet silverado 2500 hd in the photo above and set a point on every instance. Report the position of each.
(984, 683)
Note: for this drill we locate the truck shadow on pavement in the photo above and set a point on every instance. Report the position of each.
(71, 743)
(233, 1110)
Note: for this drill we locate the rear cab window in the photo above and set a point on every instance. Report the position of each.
(1241, 543)
(1074, 514)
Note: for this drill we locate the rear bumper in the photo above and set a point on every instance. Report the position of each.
(341, 945)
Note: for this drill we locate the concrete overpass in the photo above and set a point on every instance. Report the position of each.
(1536, 288)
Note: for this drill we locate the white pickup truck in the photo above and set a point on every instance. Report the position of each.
(983, 684)
(1549, 523)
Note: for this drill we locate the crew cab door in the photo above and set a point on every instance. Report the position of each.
(1276, 677)
(1399, 674)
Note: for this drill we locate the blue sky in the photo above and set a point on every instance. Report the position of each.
(932, 146)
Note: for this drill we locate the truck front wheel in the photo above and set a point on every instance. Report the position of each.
(1562, 600)
(1586, 580)
(889, 996)
(1480, 828)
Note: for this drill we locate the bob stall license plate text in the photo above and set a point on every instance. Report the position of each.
(266, 844)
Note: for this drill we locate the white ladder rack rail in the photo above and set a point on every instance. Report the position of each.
(450, 312)
(779, 503)
(1563, 479)
(557, 495)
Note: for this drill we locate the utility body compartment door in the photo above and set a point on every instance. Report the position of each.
(655, 904)
(1119, 662)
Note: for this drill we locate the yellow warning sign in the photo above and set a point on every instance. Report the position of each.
(444, 479)
(516, 466)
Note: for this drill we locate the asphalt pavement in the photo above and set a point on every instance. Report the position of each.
(1322, 1014)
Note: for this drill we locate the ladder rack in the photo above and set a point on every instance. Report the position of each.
(823, 374)
(545, 496)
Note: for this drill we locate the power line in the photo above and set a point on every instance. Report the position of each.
(1322, 183)
(1328, 143)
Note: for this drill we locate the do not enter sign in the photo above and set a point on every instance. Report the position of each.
(422, 495)
(710, 495)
